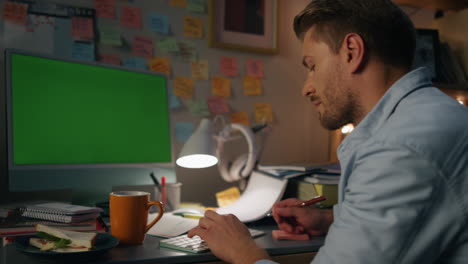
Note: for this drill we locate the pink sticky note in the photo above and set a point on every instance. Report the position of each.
(254, 68)
(229, 66)
(218, 105)
(105, 8)
(142, 46)
(282, 235)
(110, 59)
(130, 17)
(15, 12)
(82, 28)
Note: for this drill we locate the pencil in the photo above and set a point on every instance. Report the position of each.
(314, 200)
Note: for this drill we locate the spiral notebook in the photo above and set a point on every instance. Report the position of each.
(61, 212)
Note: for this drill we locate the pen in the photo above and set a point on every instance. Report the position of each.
(314, 200)
(163, 190)
(156, 182)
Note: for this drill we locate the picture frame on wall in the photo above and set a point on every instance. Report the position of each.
(244, 25)
(427, 52)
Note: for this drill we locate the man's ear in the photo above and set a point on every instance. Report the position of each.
(354, 52)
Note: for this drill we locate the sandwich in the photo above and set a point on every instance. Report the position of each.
(58, 240)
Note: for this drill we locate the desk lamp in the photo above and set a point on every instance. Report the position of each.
(198, 151)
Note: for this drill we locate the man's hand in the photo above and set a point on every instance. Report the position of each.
(228, 238)
(298, 220)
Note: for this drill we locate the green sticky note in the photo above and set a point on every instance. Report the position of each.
(168, 44)
(187, 51)
(199, 108)
(197, 6)
(110, 36)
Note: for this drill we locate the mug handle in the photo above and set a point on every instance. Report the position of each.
(160, 213)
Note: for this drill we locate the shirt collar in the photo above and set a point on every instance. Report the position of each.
(410, 82)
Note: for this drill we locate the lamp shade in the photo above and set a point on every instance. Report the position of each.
(198, 151)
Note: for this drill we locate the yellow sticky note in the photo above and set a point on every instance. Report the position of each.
(221, 86)
(178, 3)
(200, 70)
(160, 64)
(193, 27)
(263, 113)
(252, 86)
(227, 196)
(240, 118)
(183, 87)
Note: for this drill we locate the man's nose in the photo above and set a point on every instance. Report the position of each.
(308, 89)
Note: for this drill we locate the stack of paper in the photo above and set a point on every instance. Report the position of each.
(296, 170)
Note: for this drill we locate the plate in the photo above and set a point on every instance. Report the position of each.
(103, 243)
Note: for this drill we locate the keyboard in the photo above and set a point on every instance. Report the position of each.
(195, 244)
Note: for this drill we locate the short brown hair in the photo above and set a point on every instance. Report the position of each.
(387, 31)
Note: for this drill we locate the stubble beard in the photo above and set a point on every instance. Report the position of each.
(340, 106)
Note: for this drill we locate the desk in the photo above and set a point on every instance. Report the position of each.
(150, 252)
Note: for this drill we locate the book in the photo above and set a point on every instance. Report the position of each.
(318, 167)
(290, 167)
(285, 174)
(61, 209)
(15, 225)
(306, 190)
(322, 178)
(60, 212)
(60, 218)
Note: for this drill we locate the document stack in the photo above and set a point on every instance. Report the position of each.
(309, 180)
(21, 220)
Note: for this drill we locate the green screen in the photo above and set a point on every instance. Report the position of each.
(71, 113)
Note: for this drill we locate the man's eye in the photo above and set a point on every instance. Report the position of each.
(312, 68)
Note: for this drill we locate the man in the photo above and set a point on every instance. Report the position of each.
(403, 193)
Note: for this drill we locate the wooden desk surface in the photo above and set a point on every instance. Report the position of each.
(150, 252)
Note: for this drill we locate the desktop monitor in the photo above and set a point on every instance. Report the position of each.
(70, 120)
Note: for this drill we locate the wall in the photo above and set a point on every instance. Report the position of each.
(296, 135)
(451, 30)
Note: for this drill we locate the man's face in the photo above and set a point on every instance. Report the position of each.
(326, 85)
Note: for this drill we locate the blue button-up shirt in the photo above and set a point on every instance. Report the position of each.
(403, 193)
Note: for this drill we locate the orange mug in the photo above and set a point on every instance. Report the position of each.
(129, 215)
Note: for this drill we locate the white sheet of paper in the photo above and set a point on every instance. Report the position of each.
(171, 225)
(258, 198)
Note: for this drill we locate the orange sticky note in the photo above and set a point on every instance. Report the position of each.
(105, 8)
(15, 12)
(130, 17)
(221, 86)
(160, 64)
(240, 118)
(178, 3)
(193, 27)
(183, 87)
(229, 66)
(218, 105)
(263, 113)
(254, 68)
(200, 70)
(110, 59)
(252, 86)
(142, 46)
(82, 28)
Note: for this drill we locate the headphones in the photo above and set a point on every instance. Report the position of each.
(243, 165)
